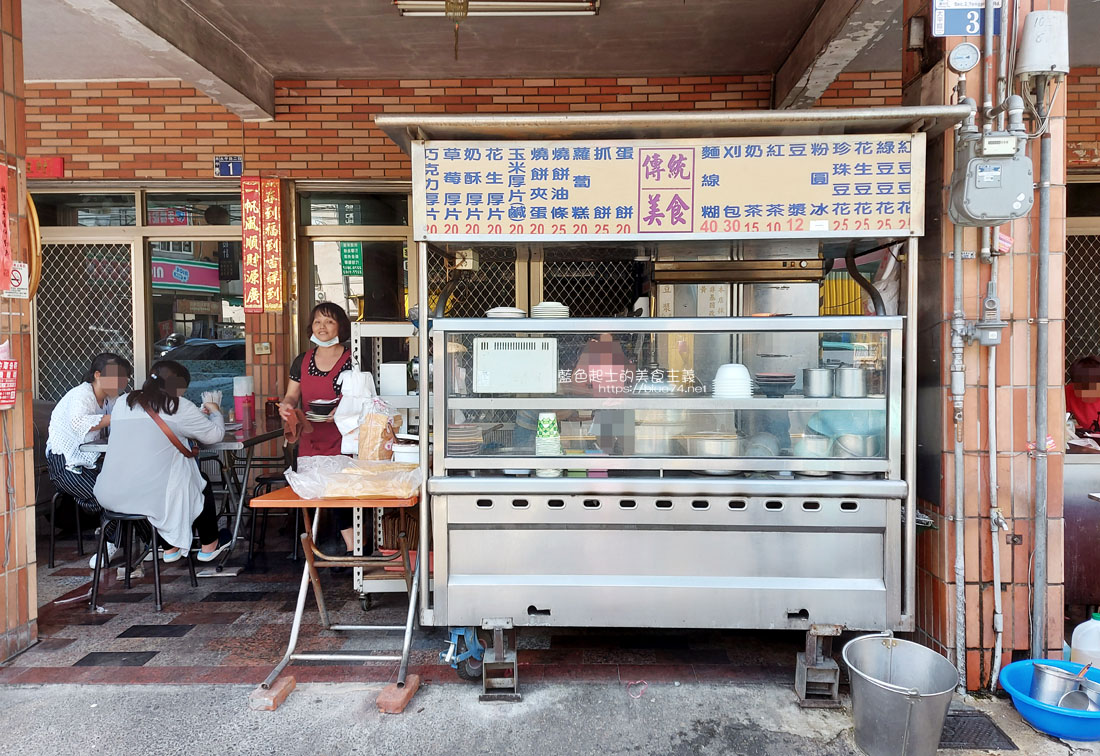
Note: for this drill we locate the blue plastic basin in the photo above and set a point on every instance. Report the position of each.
(1070, 724)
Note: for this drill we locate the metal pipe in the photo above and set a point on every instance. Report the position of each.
(995, 517)
(910, 422)
(987, 66)
(853, 271)
(958, 389)
(1039, 605)
(425, 389)
(403, 669)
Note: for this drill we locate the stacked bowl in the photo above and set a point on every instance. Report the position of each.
(732, 381)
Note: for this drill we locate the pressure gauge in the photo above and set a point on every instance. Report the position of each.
(964, 57)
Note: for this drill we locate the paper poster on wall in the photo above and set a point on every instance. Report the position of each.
(865, 185)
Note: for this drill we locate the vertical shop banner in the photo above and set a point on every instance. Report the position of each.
(251, 245)
(846, 186)
(272, 243)
(5, 239)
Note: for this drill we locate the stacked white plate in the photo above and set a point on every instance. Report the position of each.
(506, 312)
(463, 440)
(732, 381)
(549, 310)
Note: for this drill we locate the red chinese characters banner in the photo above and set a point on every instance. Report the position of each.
(272, 243)
(251, 245)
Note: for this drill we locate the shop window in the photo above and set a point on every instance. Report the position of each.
(354, 210)
(198, 311)
(368, 279)
(192, 209)
(89, 210)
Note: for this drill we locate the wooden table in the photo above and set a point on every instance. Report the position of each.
(286, 498)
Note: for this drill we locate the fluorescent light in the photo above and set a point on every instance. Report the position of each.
(504, 7)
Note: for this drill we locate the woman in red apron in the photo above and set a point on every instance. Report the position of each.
(313, 377)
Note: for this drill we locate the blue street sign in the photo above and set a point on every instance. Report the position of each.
(228, 166)
(962, 18)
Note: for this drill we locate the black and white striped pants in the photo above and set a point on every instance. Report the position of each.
(81, 486)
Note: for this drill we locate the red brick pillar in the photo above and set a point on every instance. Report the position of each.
(18, 576)
(927, 80)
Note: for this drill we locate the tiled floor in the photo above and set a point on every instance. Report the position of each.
(236, 629)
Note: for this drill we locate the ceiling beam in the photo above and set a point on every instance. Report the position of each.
(837, 33)
(190, 47)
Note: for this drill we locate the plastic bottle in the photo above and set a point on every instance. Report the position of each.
(1085, 646)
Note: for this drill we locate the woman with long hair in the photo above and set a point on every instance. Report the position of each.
(82, 417)
(149, 468)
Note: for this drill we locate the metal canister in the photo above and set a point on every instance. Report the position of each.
(851, 383)
(817, 382)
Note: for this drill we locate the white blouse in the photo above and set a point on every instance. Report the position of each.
(71, 425)
(143, 473)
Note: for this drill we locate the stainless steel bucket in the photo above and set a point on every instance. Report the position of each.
(851, 383)
(817, 382)
(1050, 683)
(900, 694)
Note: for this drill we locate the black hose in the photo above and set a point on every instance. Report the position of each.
(853, 271)
(441, 303)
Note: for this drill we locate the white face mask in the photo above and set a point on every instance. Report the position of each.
(330, 342)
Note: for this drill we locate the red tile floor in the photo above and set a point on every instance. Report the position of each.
(235, 629)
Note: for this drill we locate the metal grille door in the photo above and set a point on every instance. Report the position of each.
(493, 284)
(1082, 297)
(594, 282)
(84, 306)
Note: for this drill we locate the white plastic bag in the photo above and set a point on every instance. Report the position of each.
(356, 392)
(374, 479)
(313, 474)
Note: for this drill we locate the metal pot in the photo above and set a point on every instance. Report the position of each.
(855, 445)
(715, 445)
(817, 382)
(655, 446)
(1049, 684)
(851, 383)
(657, 388)
(813, 446)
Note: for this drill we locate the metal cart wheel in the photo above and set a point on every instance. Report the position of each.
(364, 601)
(468, 669)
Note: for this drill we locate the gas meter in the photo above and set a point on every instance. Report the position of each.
(992, 182)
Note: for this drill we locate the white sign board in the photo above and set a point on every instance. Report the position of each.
(20, 282)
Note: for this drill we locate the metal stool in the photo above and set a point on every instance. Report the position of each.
(53, 516)
(265, 484)
(126, 521)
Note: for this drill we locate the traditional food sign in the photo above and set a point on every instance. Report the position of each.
(261, 245)
(865, 185)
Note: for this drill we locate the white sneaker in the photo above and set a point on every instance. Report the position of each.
(111, 551)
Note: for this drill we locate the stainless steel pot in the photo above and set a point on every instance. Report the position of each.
(657, 388)
(817, 382)
(1049, 684)
(851, 383)
(813, 446)
(715, 445)
(655, 446)
(854, 445)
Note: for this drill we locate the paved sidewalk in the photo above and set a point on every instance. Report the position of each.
(567, 719)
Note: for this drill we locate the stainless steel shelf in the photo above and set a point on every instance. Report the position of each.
(597, 462)
(703, 404)
(814, 324)
(700, 485)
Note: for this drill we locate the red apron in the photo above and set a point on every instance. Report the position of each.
(325, 437)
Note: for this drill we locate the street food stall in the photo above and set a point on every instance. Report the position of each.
(715, 443)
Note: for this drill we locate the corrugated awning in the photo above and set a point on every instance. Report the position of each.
(932, 119)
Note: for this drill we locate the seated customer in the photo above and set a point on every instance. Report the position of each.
(1083, 394)
(149, 468)
(81, 417)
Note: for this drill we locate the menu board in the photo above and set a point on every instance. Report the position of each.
(865, 185)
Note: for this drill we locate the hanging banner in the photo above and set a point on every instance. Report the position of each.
(859, 185)
(5, 238)
(272, 242)
(251, 246)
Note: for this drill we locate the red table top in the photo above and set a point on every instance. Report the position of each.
(285, 497)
